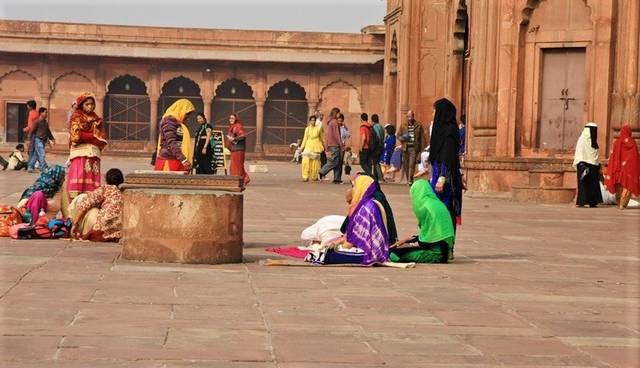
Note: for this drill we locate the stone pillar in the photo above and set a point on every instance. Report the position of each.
(153, 121)
(259, 125)
(631, 96)
(502, 107)
(404, 61)
(312, 107)
(100, 104)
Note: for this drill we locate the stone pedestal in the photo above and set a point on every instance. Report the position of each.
(200, 224)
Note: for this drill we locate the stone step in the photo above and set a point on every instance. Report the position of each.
(542, 194)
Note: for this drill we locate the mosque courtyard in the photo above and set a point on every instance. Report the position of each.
(532, 285)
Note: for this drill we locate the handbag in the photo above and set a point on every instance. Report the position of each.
(9, 216)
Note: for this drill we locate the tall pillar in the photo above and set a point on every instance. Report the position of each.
(404, 58)
(153, 120)
(632, 98)
(259, 125)
(99, 104)
(312, 107)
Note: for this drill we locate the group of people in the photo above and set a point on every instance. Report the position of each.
(368, 234)
(621, 177)
(175, 152)
(75, 192)
(38, 136)
(382, 151)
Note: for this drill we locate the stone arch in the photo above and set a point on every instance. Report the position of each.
(71, 73)
(344, 95)
(177, 88)
(531, 5)
(137, 85)
(393, 54)
(342, 81)
(18, 71)
(234, 95)
(65, 88)
(17, 86)
(127, 109)
(285, 113)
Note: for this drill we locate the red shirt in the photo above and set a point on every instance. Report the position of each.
(31, 118)
(365, 131)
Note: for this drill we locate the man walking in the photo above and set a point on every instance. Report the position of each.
(41, 136)
(365, 140)
(413, 139)
(334, 148)
(28, 130)
(377, 145)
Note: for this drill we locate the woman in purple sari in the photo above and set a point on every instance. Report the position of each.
(366, 236)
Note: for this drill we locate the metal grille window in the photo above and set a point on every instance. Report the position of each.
(127, 109)
(285, 113)
(235, 96)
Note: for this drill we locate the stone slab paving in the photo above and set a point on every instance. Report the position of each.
(532, 286)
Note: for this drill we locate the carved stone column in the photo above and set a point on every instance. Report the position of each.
(259, 125)
(153, 120)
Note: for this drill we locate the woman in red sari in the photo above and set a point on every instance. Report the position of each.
(87, 139)
(237, 145)
(623, 171)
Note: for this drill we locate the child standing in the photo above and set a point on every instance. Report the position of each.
(348, 160)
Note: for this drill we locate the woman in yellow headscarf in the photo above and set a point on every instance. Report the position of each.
(174, 146)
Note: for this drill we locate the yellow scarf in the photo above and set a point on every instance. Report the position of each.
(179, 110)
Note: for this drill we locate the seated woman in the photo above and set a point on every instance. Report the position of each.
(366, 235)
(46, 194)
(97, 216)
(436, 236)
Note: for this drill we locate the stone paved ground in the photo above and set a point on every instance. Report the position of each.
(532, 286)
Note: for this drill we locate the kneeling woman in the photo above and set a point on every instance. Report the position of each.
(366, 236)
(436, 235)
(97, 216)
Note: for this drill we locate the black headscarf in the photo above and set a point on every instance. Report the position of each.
(445, 136)
(593, 131)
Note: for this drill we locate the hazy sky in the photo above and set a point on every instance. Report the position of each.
(300, 15)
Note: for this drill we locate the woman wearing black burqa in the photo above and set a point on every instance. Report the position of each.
(586, 162)
(446, 179)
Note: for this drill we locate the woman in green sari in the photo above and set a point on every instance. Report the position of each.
(436, 236)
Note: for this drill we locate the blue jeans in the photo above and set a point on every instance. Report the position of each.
(38, 155)
(333, 163)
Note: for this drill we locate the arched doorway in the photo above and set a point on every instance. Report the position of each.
(234, 95)
(126, 109)
(177, 88)
(285, 113)
(17, 87)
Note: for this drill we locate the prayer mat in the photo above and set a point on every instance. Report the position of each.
(291, 251)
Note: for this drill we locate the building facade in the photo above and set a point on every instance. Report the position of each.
(272, 80)
(527, 75)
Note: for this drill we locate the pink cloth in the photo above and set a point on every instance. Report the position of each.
(292, 252)
(83, 175)
(36, 202)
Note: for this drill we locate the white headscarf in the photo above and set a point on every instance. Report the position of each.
(585, 152)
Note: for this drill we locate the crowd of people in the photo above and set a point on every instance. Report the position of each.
(368, 234)
(75, 196)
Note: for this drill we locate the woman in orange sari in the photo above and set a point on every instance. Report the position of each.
(237, 145)
(87, 139)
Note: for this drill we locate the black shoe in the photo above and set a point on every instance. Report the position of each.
(337, 182)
